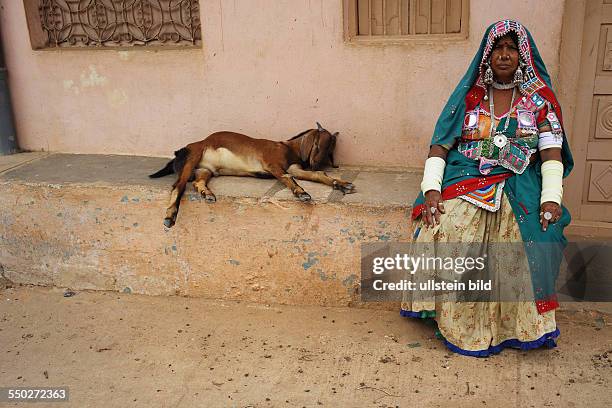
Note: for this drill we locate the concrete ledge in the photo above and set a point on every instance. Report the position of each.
(95, 222)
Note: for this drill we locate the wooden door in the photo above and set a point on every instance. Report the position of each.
(588, 191)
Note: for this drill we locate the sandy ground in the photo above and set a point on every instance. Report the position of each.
(119, 350)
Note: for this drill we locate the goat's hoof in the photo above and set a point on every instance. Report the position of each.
(168, 222)
(348, 188)
(210, 198)
(304, 196)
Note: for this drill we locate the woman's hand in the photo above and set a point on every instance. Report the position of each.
(551, 208)
(434, 206)
(433, 198)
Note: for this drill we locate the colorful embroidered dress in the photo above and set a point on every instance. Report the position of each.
(521, 138)
(491, 189)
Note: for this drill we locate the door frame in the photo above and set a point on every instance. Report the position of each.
(578, 61)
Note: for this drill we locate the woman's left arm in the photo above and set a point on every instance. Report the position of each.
(552, 175)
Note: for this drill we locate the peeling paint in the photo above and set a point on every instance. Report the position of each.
(117, 98)
(170, 250)
(70, 86)
(312, 260)
(93, 79)
(349, 280)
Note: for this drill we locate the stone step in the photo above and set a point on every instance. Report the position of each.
(95, 222)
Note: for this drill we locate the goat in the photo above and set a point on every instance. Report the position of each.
(235, 154)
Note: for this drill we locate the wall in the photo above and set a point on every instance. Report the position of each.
(268, 68)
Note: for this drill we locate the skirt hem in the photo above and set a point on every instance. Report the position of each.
(547, 340)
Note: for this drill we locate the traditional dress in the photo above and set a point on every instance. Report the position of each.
(491, 191)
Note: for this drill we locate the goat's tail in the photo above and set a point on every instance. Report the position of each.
(169, 169)
(175, 165)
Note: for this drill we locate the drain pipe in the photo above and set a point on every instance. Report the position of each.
(8, 141)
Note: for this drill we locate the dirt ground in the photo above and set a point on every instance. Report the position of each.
(119, 350)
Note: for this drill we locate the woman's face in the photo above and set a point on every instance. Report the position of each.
(504, 59)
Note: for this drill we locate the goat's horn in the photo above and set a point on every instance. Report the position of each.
(320, 128)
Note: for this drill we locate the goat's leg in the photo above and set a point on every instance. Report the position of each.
(177, 193)
(321, 177)
(290, 183)
(202, 177)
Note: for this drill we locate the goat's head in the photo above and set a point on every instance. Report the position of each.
(317, 147)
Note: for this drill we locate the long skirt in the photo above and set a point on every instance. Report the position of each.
(484, 328)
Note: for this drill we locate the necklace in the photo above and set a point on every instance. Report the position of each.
(499, 85)
(499, 138)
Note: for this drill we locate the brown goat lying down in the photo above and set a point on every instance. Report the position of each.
(234, 154)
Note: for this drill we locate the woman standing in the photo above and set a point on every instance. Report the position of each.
(494, 174)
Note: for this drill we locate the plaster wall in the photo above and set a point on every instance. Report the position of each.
(268, 68)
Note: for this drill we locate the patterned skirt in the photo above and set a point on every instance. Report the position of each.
(484, 328)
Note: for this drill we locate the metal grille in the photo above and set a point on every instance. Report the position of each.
(409, 17)
(120, 23)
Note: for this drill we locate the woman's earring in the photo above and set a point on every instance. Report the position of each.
(518, 76)
(488, 76)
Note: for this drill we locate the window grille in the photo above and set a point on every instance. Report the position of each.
(113, 23)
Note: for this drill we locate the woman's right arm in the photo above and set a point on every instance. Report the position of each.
(432, 185)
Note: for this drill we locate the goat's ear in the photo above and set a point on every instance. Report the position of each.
(306, 146)
(335, 135)
(319, 127)
(316, 148)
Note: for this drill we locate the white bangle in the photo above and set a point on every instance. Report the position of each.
(433, 174)
(548, 140)
(552, 184)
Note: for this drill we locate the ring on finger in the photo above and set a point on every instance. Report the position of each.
(433, 210)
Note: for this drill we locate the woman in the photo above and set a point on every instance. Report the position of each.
(493, 174)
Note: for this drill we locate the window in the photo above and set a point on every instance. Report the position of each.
(405, 20)
(113, 23)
